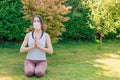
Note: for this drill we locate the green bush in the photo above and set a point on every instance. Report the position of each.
(77, 28)
(12, 25)
(112, 35)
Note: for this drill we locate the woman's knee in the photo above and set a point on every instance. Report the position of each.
(40, 73)
(29, 73)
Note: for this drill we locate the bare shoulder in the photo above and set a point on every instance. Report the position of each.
(47, 35)
(27, 35)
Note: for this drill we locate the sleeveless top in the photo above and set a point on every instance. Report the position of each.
(36, 53)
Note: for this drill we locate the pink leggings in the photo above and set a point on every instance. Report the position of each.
(35, 67)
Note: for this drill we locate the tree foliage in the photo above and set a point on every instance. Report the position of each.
(12, 25)
(52, 12)
(77, 28)
(105, 16)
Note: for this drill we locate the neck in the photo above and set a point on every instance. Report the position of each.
(37, 31)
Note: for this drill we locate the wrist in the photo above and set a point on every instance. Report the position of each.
(31, 47)
(39, 46)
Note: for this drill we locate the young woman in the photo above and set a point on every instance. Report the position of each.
(37, 43)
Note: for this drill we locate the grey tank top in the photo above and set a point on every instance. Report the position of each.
(36, 53)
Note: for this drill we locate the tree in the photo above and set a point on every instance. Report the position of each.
(12, 25)
(105, 15)
(77, 27)
(52, 12)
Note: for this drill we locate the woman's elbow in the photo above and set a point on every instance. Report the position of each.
(21, 51)
(50, 52)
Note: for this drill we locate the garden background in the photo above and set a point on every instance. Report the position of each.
(85, 36)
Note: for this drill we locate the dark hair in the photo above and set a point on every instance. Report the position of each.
(41, 21)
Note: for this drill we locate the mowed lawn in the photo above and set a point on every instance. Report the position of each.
(70, 61)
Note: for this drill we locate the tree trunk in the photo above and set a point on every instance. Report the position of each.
(101, 36)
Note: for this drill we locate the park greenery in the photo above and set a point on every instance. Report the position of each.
(12, 25)
(105, 16)
(86, 20)
(75, 27)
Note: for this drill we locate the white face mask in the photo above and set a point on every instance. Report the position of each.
(36, 25)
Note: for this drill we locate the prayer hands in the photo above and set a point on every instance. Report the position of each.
(36, 42)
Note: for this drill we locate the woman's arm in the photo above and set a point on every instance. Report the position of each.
(23, 46)
(49, 48)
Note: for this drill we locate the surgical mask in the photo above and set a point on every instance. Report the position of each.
(36, 25)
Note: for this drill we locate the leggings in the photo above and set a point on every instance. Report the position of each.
(35, 67)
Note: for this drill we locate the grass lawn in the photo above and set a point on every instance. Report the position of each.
(70, 61)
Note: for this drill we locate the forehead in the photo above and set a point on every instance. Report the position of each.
(36, 18)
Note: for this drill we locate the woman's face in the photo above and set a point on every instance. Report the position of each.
(36, 19)
(36, 23)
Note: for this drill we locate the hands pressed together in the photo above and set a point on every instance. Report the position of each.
(36, 42)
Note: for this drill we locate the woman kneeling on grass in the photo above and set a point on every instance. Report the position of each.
(39, 43)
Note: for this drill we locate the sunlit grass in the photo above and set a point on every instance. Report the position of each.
(110, 63)
(70, 61)
(5, 78)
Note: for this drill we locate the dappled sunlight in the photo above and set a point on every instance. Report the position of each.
(6, 78)
(110, 55)
(110, 63)
(118, 52)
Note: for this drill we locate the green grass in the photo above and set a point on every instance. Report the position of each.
(70, 61)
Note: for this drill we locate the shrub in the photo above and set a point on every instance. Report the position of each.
(12, 25)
